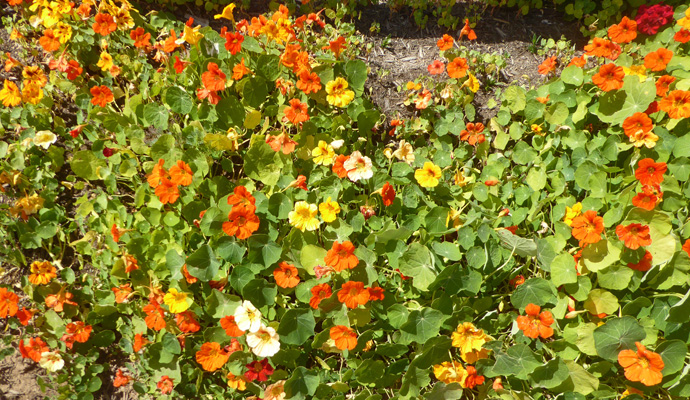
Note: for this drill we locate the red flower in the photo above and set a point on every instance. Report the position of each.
(121, 379)
(376, 293)
(286, 275)
(341, 256)
(634, 236)
(336, 46)
(644, 264)
(587, 228)
(657, 60)
(676, 104)
(353, 294)
(387, 194)
(610, 77)
(436, 67)
(686, 247)
(649, 198)
(258, 370)
(297, 112)
(682, 36)
(662, 85)
(34, 349)
(457, 68)
(467, 31)
(650, 18)
(142, 40)
(242, 198)
(187, 322)
(650, 173)
(473, 379)
(445, 43)
(180, 65)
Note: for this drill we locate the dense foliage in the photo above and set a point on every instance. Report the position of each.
(212, 214)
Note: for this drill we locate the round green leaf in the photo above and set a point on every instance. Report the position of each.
(178, 100)
(536, 291)
(617, 334)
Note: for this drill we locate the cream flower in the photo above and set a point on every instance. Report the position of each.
(303, 217)
(336, 144)
(275, 391)
(44, 139)
(248, 317)
(51, 361)
(264, 342)
(358, 167)
(405, 152)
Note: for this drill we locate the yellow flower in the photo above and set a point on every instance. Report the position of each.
(105, 62)
(10, 95)
(459, 178)
(227, 13)
(176, 301)
(637, 70)
(123, 18)
(62, 32)
(26, 206)
(15, 35)
(428, 175)
(536, 128)
(468, 338)
(454, 216)
(413, 86)
(192, 35)
(323, 153)
(35, 75)
(237, 382)
(685, 21)
(472, 83)
(405, 152)
(571, 213)
(338, 95)
(475, 355)
(449, 373)
(32, 93)
(303, 217)
(329, 210)
(50, 17)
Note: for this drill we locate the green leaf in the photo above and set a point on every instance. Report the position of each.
(536, 291)
(572, 75)
(263, 164)
(673, 354)
(600, 301)
(617, 334)
(556, 114)
(447, 250)
(296, 326)
(455, 280)
(310, 256)
(356, 71)
(581, 336)
(421, 326)
(434, 351)
(563, 269)
(435, 220)
(302, 384)
(550, 374)
(579, 381)
(519, 245)
(271, 253)
(255, 92)
(219, 304)
(230, 112)
(536, 179)
(417, 263)
(515, 96)
(441, 391)
(680, 311)
(369, 371)
(179, 101)
(86, 165)
(519, 361)
(203, 264)
(634, 97)
(260, 292)
(600, 255)
(615, 277)
(156, 115)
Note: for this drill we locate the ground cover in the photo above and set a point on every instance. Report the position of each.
(262, 207)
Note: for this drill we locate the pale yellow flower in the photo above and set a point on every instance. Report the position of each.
(405, 152)
(303, 217)
(264, 342)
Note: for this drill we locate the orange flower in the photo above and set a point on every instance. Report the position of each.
(341, 256)
(242, 223)
(233, 42)
(8, 303)
(203, 93)
(319, 292)
(473, 133)
(543, 100)
(214, 78)
(187, 322)
(187, 276)
(42, 272)
(49, 41)
(139, 341)
(181, 174)
(645, 264)
(239, 70)
(603, 48)
(445, 43)
(167, 192)
(286, 275)
(165, 384)
(636, 124)
(101, 95)
(55, 301)
(686, 247)
(634, 235)
(282, 143)
(387, 194)
(34, 349)
(534, 324)
(105, 24)
(610, 77)
(141, 38)
(548, 66)
(76, 332)
(170, 43)
(663, 83)
(648, 199)
(290, 55)
(297, 112)
(657, 60)
(131, 263)
(338, 165)
(116, 233)
(353, 294)
(122, 293)
(24, 315)
(121, 379)
(309, 82)
(157, 175)
(642, 366)
(376, 293)
(467, 31)
(336, 46)
(676, 104)
(473, 379)
(650, 173)
(211, 356)
(241, 198)
(624, 32)
(231, 329)
(682, 36)
(436, 67)
(587, 227)
(155, 316)
(345, 338)
(578, 61)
